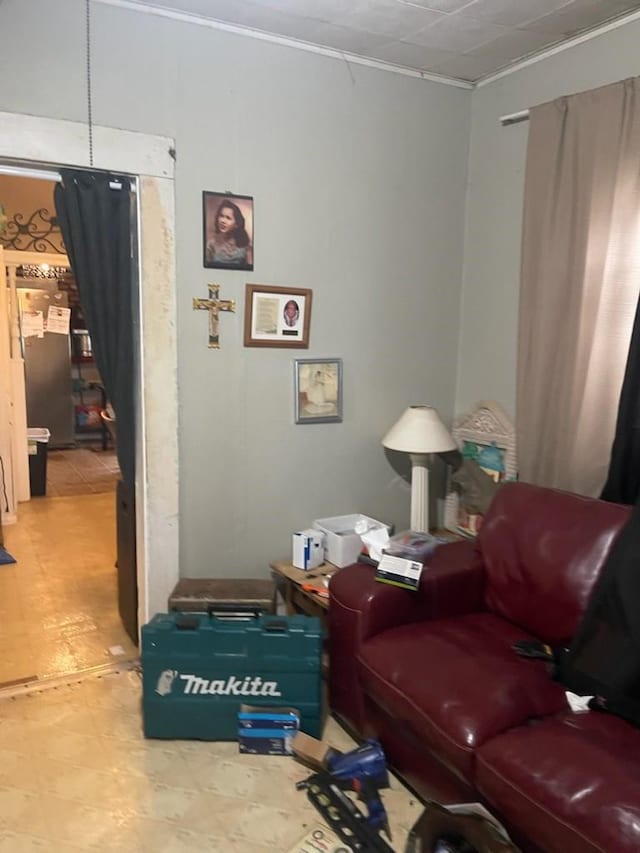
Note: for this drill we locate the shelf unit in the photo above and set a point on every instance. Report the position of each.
(88, 400)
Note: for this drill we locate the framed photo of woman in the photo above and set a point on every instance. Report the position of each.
(227, 231)
(318, 390)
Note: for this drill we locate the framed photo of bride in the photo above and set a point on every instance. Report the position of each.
(227, 231)
(318, 390)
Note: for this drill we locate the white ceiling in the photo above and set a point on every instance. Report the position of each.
(461, 39)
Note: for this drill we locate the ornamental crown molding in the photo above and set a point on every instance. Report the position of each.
(487, 418)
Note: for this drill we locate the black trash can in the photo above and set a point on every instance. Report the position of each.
(38, 444)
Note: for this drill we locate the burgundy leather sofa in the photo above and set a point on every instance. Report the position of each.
(461, 717)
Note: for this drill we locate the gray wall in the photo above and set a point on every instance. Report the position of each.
(359, 179)
(489, 318)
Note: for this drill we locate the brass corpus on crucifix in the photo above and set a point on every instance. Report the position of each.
(213, 305)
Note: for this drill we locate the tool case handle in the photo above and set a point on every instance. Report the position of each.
(190, 621)
(229, 610)
(273, 624)
(186, 622)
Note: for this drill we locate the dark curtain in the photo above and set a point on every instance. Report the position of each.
(623, 479)
(604, 657)
(96, 224)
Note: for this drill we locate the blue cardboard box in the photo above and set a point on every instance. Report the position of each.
(267, 731)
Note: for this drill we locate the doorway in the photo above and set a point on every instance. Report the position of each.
(59, 601)
(34, 141)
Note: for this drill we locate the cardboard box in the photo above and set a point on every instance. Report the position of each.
(399, 571)
(342, 544)
(311, 751)
(308, 549)
(267, 731)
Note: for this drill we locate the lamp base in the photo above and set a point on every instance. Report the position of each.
(419, 493)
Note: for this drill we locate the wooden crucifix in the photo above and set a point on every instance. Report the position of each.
(213, 305)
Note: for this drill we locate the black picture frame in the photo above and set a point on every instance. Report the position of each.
(218, 252)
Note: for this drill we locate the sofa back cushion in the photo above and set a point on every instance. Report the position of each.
(543, 550)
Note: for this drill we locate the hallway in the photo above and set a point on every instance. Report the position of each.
(58, 602)
(81, 471)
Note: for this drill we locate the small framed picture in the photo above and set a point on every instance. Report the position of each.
(318, 390)
(227, 231)
(277, 316)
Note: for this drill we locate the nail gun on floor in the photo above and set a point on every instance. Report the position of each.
(363, 770)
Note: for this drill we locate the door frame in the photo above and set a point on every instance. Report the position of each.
(33, 141)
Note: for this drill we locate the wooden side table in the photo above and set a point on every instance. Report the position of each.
(289, 581)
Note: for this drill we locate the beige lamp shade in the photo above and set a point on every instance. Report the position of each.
(419, 430)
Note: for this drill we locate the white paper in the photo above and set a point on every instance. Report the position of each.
(32, 324)
(376, 539)
(578, 704)
(58, 320)
(116, 650)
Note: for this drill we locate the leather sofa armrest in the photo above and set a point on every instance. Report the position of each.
(452, 583)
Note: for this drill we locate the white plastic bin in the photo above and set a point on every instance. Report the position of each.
(342, 543)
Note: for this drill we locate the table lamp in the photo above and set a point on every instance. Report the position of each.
(419, 432)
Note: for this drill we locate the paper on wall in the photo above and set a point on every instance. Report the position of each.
(32, 324)
(58, 320)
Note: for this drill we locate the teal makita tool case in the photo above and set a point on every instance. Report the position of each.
(197, 669)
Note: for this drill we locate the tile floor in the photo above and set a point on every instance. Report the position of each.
(77, 774)
(58, 603)
(81, 471)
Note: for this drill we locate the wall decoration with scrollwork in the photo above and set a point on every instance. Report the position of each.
(39, 232)
(486, 438)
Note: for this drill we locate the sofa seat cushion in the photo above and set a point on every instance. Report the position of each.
(457, 682)
(571, 783)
